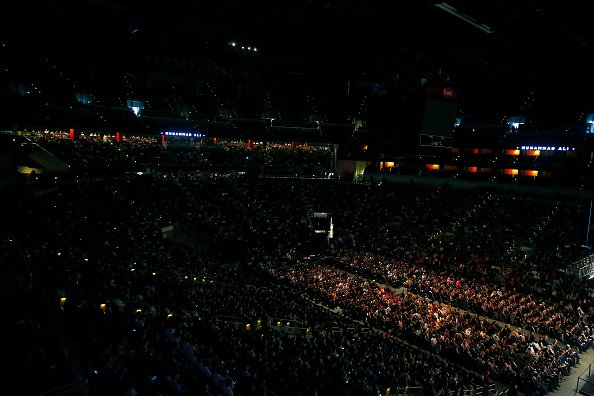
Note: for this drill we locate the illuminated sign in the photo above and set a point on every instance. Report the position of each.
(136, 106)
(444, 92)
(516, 120)
(182, 134)
(590, 123)
(547, 148)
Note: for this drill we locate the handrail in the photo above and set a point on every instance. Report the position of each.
(577, 388)
(408, 390)
(79, 388)
(484, 390)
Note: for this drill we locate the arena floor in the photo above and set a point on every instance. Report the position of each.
(568, 385)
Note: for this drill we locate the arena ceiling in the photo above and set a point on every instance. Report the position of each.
(513, 53)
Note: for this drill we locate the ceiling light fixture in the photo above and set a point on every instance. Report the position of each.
(453, 11)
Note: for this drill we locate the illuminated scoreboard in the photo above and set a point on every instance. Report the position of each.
(321, 223)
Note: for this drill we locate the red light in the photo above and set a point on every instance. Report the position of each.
(472, 169)
(71, 133)
(118, 137)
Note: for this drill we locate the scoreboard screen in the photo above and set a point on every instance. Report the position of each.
(322, 223)
(438, 123)
(439, 117)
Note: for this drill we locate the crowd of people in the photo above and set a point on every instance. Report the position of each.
(146, 315)
(96, 152)
(511, 355)
(564, 319)
(433, 289)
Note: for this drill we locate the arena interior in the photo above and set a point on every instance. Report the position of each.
(321, 197)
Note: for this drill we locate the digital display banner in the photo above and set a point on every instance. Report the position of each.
(436, 141)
